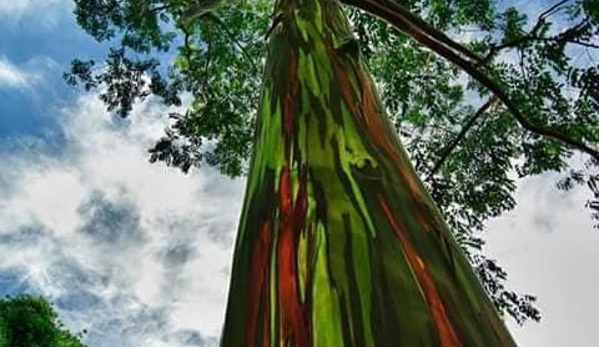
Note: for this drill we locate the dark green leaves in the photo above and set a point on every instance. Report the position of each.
(446, 14)
(97, 17)
(28, 321)
(217, 61)
(512, 23)
(127, 81)
(519, 307)
(593, 203)
(140, 23)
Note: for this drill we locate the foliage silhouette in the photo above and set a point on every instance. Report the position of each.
(528, 104)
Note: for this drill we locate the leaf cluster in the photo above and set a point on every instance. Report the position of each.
(30, 321)
(216, 64)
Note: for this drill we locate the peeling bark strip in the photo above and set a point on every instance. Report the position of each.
(259, 288)
(339, 245)
(294, 326)
(447, 335)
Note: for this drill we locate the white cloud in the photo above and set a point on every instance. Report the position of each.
(549, 248)
(14, 7)
(13, 76)
(134, 251)
(45, 12)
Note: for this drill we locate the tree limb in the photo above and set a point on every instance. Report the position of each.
(233, 39)
(276, 20)
(199, 9)
(469, 124)
(532, 34)
(187, 46)
(158, 8)
(551, 10)
(403, 20)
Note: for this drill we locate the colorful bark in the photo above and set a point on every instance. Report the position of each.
(339, 244)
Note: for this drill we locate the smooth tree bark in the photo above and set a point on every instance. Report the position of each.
(339, 244)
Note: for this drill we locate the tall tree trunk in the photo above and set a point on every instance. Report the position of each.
(339, 244)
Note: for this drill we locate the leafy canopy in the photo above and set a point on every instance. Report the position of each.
(462, 138)
(29, 321)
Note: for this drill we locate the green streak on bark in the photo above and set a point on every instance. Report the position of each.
(339, 244)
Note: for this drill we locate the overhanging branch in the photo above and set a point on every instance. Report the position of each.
(405, 21)
(232, 38)
(199, 9)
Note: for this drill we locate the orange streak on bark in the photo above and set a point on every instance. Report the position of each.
(293, 320)
(345, 88)
(259, 287)
(447, 334)
(372, 116)
(497, 330)
(285, 194)
(344, 83)
(426, 225)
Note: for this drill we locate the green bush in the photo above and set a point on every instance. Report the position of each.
(31, 321)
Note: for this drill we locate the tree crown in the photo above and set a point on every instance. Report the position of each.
(481, 94)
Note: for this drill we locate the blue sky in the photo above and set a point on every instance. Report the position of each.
(138, 254)
(38, 40)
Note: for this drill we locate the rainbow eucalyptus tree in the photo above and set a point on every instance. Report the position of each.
(339, 242)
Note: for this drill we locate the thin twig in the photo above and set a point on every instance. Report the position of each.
(469, 124)
(159, 8)
(551, 10)
(585, 44)
(233, 39)
(276, 20)
(530, 36)
(188, 50)
(208, 60)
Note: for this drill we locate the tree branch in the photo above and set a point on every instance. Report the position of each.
(404, 20)
(208, 60)
(532, 34)
(197, 10)
(201, 8)
(233, 39)
(551, 10)
(276, 20)
(585, 44)
(401, 19)
(188, 50)
(159, 8)
(469, 124)
(185, 19)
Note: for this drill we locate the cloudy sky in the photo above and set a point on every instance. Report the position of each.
(138, 254)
